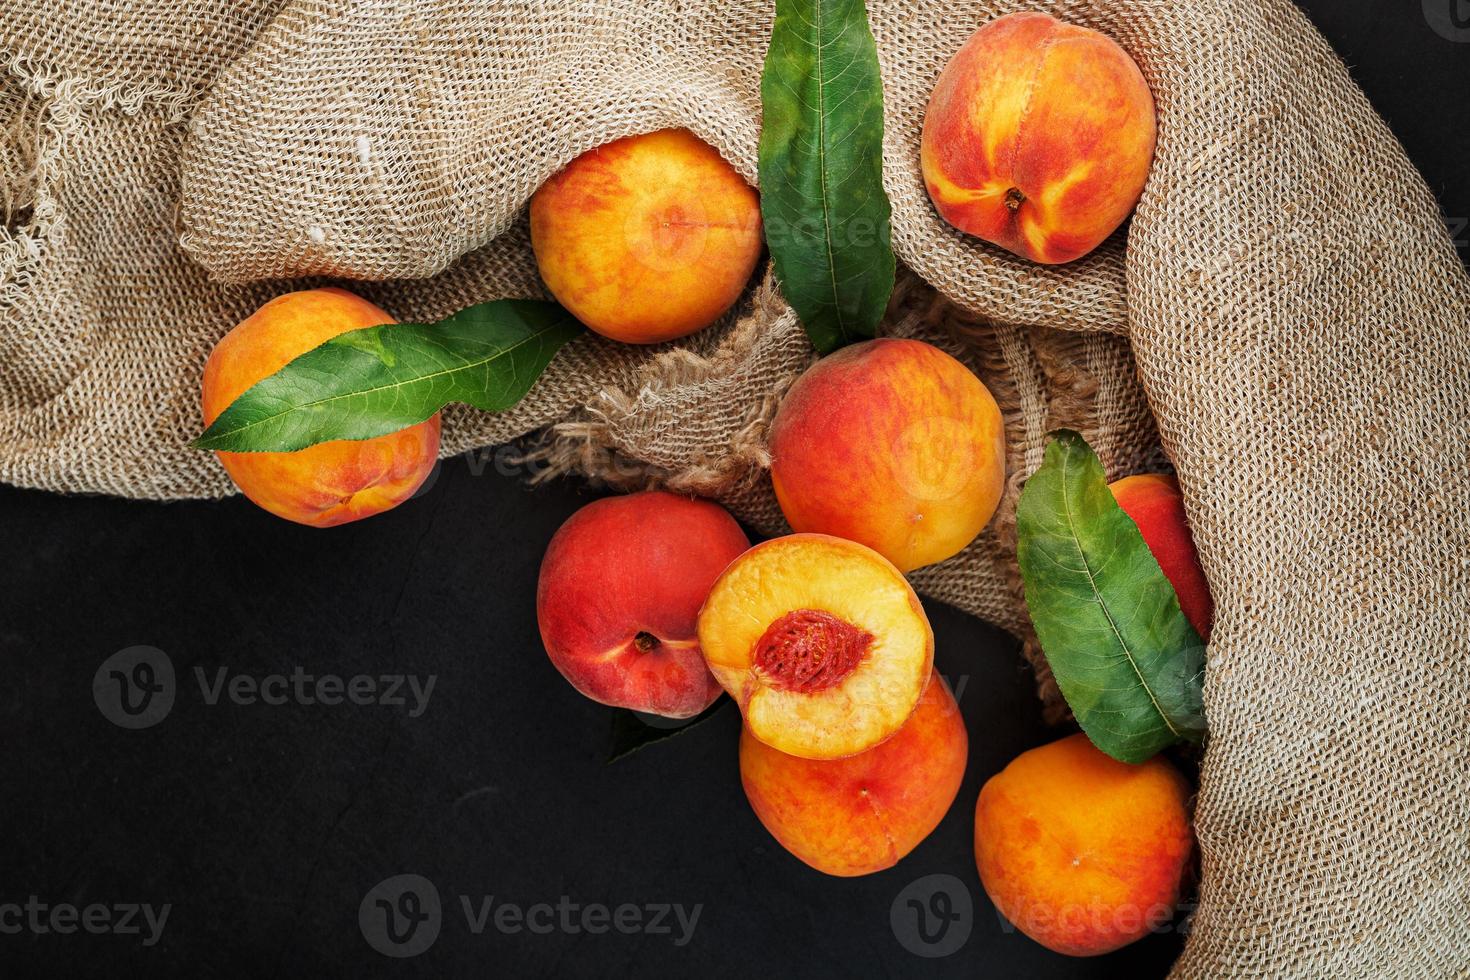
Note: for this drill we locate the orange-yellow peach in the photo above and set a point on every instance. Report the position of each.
(332, 482)
(892, 443)
(1038, 137)
(648, 238)
(820, 641)
(621, 585)
(1154, 502)
(1081, 852)
(864, 813)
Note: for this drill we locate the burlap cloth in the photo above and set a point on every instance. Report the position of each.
(1298, 319)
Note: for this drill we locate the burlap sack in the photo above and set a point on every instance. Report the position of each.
(1298, 317)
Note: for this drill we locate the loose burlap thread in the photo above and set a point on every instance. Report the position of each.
(1288, 324)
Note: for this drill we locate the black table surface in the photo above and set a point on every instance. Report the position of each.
(263, 828)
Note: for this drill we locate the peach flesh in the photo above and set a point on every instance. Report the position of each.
(821, 642)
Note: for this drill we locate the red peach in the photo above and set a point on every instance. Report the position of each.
(619, 596)
(1154, 502)
(1038, 137)
(894, 444)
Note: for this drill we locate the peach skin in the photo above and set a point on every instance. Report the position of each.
(864, 813)
(1081, 852)
(1154, 502)
(648, 238)
(821, 642)
(620, 589)
(1038, 137)
(332, 482)
(891, 443)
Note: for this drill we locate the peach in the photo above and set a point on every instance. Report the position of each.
(648, 238)
(1081, 852)
(892, 443)
(332, 482)
(864, 813)
(620, 590)
(820, 641)
(1154, 502)
(1038, 137)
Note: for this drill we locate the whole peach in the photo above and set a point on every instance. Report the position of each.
(648, 238)
(332, 482)
(891, 443)
(1038, 137)
(864, 813)
(619, 595)
(1154, 502)
(1081, 852)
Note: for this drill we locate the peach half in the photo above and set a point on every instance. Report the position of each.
(1081, 852)
(1038, 137)
(620, 589)
(864, 813)
(647, 238)
(821, 642)
(892, 443)
(332, 482)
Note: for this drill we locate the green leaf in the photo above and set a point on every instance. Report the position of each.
(376, 380)
(1125, 657)
(631, 730)
(825, 213)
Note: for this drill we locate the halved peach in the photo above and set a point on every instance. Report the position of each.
(822, 643)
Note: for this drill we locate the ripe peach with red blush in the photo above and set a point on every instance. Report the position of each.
(866, 812)
(1038, 137)
(1154, 502)
(619, 595)
(892, 443)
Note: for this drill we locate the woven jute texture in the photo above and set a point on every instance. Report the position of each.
(1288, 324)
